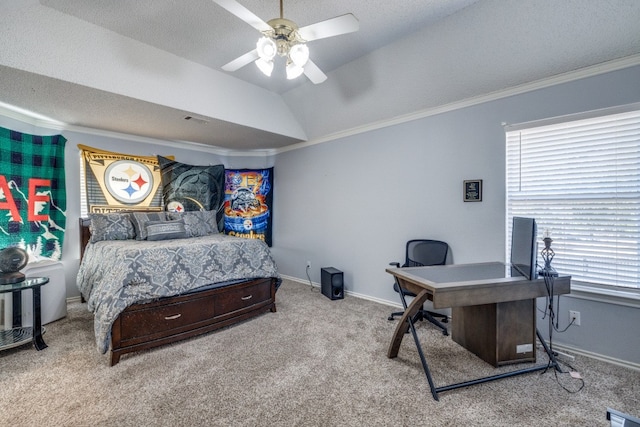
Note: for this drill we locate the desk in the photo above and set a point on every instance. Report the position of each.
(477, 293)
(19, 335)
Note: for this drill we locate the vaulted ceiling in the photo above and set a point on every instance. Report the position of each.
(141, 67)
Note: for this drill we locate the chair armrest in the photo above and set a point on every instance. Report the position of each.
(395, 264)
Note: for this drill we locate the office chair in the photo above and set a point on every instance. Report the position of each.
(422, 252)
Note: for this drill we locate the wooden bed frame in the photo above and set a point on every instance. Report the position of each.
(167, 320)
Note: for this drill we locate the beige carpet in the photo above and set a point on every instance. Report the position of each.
(315, 362)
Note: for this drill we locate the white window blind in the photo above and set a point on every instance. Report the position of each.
(83, 189)
(580, 180)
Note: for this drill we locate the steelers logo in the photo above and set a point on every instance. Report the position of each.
(128, 181)
(175, 206)
(247, 224)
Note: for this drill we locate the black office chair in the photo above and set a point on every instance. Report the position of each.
(422, 252)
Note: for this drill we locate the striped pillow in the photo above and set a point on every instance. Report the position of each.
(139, 219)
(165, 230)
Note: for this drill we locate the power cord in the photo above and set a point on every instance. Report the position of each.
(549, 280)
(573, 373)
(309, 278)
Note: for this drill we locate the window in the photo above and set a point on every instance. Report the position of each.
(580, 180)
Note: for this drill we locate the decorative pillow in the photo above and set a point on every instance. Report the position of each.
(165, 230)
(139, 220)
(197, 223)
(192, 188)
(111, 226)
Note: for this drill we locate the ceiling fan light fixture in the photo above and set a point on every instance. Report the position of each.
(299, 54)
(283, 37)
(293, 70)
(266, 66)
(266, 48)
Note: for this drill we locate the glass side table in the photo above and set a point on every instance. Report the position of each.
(19, 335)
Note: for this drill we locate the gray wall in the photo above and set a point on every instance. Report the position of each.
(353, 203)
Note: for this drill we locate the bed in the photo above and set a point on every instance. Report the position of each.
(148, 293)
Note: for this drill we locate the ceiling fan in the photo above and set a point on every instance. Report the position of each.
(283, 37)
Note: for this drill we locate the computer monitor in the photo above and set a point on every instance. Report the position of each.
(524, 247)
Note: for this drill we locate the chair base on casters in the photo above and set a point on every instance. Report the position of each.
(429, 316)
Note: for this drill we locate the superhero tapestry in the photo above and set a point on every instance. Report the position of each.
(248, 199)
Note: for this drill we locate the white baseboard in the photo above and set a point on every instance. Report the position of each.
(74, 299)
(577, 351)
(347, 292)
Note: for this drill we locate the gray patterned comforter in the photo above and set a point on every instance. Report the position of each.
(116, 274)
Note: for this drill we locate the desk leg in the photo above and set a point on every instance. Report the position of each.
(38, 342)
(403, 323)
(406, 322)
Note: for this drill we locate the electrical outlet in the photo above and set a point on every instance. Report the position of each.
(308, 264)
(574, 316)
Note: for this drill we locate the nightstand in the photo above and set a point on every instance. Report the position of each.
(19, 335)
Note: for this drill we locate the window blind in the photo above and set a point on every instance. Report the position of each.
(83, 188)
(580, 180)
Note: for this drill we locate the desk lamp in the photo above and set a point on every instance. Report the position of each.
(547, 255)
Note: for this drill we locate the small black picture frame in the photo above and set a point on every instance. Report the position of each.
(472, 190)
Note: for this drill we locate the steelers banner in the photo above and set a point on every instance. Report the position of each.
(248, 200)
(116, 181)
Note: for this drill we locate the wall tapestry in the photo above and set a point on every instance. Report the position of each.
(33, 200)
(248, 200)
(192, 188)
(116, 181)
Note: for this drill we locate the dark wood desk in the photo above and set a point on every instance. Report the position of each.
(493, 313)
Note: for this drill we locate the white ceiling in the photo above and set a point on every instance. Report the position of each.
(135, 66)
(205, 33)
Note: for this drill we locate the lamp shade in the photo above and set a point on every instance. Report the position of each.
(266, 66)
(266, 48)
(293, 71)
(299, 54)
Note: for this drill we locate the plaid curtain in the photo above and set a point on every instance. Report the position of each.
(33, 200)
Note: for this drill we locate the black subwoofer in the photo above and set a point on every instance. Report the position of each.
(332, 283)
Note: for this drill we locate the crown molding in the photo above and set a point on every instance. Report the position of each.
(594, 70)
(591, 71)
(29, 117)
(43, 122)
(146, 140)
(39, 121)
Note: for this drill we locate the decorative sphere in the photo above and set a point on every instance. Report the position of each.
(12, 259)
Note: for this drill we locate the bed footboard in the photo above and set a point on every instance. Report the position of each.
(143, 326)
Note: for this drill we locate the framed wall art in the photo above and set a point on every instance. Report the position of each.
(472, 190)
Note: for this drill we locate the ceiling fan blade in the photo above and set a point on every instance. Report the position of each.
(240, 62)
(245, 14)
(342, 24)
(314, 73)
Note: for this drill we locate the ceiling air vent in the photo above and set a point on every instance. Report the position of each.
(200, 120)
